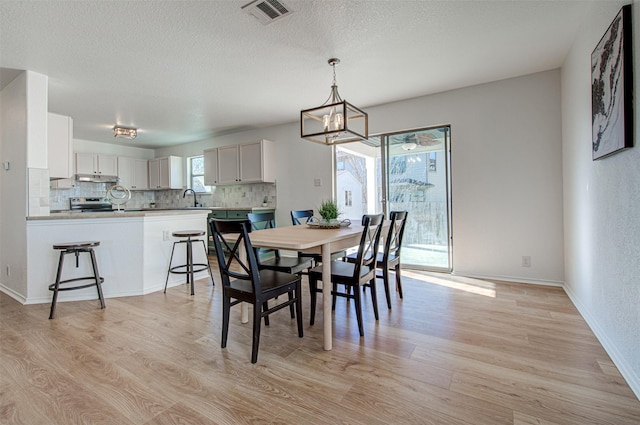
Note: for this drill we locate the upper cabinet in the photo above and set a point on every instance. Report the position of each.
(59, 146)
(248, 163)
(166, 173)
(96, 164)
(211, 167)
(133, 173)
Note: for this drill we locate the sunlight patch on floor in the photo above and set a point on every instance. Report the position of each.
(473, 286)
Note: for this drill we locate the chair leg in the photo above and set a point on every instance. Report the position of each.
(226, 307)
(385, 280)
(374, 297)
(257, 317)
(57, 286)
(313, 291)
(169, 268)
(358, 302)
(265, 306)
(291, 306)
(206, 253)
(299, 308)
(96, 276)
(334, 296)
(398, 280)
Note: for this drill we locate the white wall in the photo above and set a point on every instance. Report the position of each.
(23, 123)
(506, 161)
(602, 224)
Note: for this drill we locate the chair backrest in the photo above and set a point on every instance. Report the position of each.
(301, 216)
(261, 221)
(231, 238)
(368, 247)
(393, 241)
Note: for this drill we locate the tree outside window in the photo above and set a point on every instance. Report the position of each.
(195, 171)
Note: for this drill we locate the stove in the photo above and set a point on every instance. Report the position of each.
(84, 204)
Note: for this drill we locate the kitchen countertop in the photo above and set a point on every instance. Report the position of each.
(140, 212)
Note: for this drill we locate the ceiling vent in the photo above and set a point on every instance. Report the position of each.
(267, 11)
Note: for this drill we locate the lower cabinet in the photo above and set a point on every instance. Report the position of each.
(226, 214)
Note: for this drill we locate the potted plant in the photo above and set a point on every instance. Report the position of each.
(265, 201)
(329, 212)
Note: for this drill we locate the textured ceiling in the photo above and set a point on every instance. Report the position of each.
(182, 71)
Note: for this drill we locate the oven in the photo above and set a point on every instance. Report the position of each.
(89, 204)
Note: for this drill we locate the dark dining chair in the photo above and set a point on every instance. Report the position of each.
(389, 258)
(250, 284)
(299, 217)
(355, 274)
(270, 258)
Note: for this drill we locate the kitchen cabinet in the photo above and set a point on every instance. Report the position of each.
(59, 146)
(96, 164)
(229, 214)
(246, 163)
(166, 173)
(211, 167)
(133, 173)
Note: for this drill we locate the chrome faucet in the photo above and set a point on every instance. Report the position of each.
(195, 199)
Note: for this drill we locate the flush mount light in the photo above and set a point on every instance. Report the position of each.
(336, 121)
(125, 132)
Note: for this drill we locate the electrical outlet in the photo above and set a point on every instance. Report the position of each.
(526, 261)
(317, 182)
(165, 235)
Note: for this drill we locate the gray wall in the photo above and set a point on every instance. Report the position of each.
(602, 224)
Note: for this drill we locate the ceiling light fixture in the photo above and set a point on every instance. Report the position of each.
(336, 121)
(125, 132)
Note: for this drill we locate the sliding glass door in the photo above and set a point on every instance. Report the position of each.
(402, 171)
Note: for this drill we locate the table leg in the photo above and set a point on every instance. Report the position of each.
(326, 295)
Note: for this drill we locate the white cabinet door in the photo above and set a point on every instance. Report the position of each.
(107, 165)
(141, 174)
(257, 162)
(59, 146)
(91, 163)
(228, 166)
(133, 173)
(210, 167)
(86, 163)
(154, 174)
(166, 173)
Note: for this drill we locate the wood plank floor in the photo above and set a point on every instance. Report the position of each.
(454, 351)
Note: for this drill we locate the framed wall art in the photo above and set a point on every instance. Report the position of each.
(612, 88)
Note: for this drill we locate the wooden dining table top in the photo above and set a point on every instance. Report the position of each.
(302, 237)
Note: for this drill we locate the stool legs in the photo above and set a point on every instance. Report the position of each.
(94, 263)
(56, 286)
(190, 267)
(96, 278)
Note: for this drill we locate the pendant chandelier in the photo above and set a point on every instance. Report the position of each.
(336, 121)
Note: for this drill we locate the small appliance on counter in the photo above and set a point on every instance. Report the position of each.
(85, 204)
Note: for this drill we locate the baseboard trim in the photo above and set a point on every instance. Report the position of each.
(627, 372)
(512, 279)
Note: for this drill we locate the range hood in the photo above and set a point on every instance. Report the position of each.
(96, 178)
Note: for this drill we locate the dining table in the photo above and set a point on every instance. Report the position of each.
(312, 239)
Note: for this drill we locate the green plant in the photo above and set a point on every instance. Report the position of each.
(328, 210)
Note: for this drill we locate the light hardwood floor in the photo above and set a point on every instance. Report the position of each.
(454, 351)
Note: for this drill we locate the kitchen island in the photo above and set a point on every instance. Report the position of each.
(133, 255)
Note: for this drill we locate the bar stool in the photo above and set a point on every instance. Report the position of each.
(190, 268)
(76, 248)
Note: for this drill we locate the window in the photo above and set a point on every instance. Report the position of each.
(195, 174)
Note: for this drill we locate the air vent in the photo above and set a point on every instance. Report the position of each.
(267, 11)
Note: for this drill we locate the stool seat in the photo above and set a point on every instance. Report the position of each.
(190, 267)
(76, 245)
(76, 248)
(188, 233)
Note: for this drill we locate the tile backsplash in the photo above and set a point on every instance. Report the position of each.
(243, 196)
